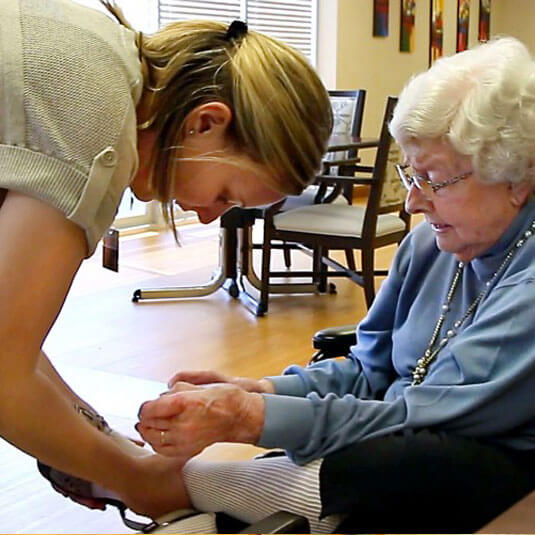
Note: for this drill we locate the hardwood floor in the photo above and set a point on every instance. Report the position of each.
(118, 354)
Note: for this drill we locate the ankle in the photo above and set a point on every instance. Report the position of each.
(156, 486)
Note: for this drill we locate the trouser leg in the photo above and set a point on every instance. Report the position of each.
(252, 490)
(423, 482)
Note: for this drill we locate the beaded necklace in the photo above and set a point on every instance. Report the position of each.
(433, 348)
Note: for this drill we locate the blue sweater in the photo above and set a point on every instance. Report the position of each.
(482, 384)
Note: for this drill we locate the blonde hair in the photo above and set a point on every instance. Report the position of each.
(282, 117)
(482, 101)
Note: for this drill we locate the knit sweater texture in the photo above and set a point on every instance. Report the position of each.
(70, 80)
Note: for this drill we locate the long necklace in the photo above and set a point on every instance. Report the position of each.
(430, 354)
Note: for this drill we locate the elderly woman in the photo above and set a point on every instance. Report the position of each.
(429, 425)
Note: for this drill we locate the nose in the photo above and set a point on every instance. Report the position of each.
(416, 202)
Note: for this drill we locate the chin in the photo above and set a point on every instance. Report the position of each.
(463, 258)
(461, 254)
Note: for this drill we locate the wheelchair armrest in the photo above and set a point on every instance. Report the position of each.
(280, 522)
(334, 342)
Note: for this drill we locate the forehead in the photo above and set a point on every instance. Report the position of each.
(430, 153)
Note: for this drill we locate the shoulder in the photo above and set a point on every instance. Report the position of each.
(70, 40)
(80, 77)
(522, 268)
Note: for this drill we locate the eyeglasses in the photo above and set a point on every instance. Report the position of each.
(425, 185)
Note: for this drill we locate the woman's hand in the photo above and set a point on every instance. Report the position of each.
(191, 417)
(205, 377)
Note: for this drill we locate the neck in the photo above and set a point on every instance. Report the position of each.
(142, 185)
(507, 219)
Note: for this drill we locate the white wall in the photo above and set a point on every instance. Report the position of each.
(142, 14)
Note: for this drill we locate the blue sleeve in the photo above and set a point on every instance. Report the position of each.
(482, 386)
(315, 405)
(368, 371)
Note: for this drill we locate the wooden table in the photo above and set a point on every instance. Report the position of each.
(343, 143)
(235, 251)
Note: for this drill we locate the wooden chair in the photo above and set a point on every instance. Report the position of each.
(320, 228)
(348, 111)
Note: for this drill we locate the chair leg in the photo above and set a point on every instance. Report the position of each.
(264, 279)
(316, 263)
(322, 268)
(368, 275)
(287, 255)
(350, 259)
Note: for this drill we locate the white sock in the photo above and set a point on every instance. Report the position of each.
(252, 490)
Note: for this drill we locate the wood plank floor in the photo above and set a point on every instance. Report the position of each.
(118, 354)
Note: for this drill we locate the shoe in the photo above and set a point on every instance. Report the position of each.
(84, 492)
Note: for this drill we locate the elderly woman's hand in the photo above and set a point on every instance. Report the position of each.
(204, 377)
(191, 417)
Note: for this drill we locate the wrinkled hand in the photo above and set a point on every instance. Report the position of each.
(204, 377)
(191, 417)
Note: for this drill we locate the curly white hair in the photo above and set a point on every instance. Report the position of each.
(482, 101)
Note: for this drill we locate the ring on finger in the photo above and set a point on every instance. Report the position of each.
(163, 438)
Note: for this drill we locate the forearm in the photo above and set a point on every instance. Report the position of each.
(37, 418)
(48, 370)
(312, 427)
(340, 377)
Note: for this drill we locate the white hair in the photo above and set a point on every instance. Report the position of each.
(482, 101)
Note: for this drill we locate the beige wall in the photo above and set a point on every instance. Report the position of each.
(350, 57)
(516, 18)
(327, 41)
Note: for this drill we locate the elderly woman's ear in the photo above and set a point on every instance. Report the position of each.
(519, 192)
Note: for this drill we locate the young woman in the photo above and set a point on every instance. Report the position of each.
(202, 114)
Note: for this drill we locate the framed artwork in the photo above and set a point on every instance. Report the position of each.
(484, 20)
(380, 18)
(406, 34)
(463, 22)
(436, 30)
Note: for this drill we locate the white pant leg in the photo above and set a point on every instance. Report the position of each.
(252, 490)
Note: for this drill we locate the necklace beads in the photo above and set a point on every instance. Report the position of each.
(433, 348)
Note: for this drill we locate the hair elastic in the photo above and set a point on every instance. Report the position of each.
(236, 30)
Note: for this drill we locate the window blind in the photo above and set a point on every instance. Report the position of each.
(222, 10)
(291, 21)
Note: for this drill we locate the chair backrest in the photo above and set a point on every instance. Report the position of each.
(393, 193)
(386, 192)
(348, 110)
